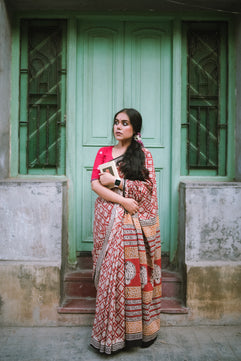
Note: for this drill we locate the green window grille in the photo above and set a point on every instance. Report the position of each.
(42, 97)
(204, 126)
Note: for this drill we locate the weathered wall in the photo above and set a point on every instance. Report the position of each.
(214, 292)
(210, 236)
(213, 222)
(5, 63)
(31, 221)
(29, 293)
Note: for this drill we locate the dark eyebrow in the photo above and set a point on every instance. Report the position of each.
(123, 120)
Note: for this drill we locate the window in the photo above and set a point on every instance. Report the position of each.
(204, 126)
(42, 97)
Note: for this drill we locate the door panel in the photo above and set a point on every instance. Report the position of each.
(149, 68)
(122, 65)
(101, 65)
(99, 91)
(145, 46)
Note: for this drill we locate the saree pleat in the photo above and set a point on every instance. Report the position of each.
(142, 283)
(127, 268)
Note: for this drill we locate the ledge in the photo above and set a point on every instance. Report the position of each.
(27, 262)
(206, 184)
(41, 180)
(220, 263)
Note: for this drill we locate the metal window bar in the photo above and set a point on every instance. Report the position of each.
(44, 97)
(203, 99)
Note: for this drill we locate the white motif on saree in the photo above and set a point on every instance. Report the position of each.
(157, 273)
(130, 272)
(143, 276)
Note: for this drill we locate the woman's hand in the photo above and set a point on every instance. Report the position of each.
(107, 179)
(130, 205)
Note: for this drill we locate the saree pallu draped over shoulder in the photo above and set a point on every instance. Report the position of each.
(127, 267)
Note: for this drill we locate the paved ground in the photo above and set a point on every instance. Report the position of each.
(72, 343)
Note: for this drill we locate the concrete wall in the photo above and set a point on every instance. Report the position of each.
(5, 67)
(29, 293)
(32, 215)
(213, 222)
(31, 221)
(210, 238)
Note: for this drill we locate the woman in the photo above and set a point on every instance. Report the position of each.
(127, 249)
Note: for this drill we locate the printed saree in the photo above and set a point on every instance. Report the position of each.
(127, 267)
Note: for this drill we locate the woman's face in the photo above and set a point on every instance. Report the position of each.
(123, 130)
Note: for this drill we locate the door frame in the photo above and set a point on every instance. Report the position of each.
(72, 124)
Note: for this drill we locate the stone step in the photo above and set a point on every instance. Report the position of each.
(78, 305)
(87, 305)
(171, 285)
(173, 306)
(85, 261)
(80, 284)
(80, 293)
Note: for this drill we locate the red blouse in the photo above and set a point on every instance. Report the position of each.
(104, 155)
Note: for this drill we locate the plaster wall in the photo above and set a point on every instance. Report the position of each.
(212, 222)
(214, 292)
(32, 223)
(210, 250)
(5, 62)
(29, 293)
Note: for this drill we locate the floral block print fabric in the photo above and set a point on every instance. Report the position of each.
(127, 267)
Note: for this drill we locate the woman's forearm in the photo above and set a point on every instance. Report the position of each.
(106, 193)
(130, 204)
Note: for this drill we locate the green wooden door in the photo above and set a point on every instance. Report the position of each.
(122, 64)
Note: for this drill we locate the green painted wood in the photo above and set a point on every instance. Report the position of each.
(175, 155)
(122, 65)
(149, 68)
(23, 114)
(231, 106)
(71, 138)
(14, 153)
(99, 94)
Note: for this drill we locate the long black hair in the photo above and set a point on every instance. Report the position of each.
(132, 165)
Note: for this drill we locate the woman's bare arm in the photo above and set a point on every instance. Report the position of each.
(128, 203)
